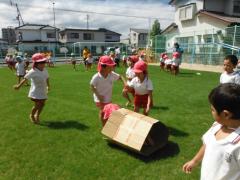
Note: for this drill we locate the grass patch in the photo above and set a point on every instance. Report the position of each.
(68, 143)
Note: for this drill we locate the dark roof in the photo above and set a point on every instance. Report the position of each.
(220, 16)
(35, 26)
(169, 28)
(93, 30)
(139, 30)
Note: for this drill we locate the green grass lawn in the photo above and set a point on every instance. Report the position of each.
(68, 144)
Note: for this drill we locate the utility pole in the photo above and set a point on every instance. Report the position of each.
(54, 25)
(87, 21)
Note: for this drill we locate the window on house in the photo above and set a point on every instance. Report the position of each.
(51, 35)
(141, 37)
(186, 12)
(87, 36)
(74, 35)
(236, 6)
(108, 37)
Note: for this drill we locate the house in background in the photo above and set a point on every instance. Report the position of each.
(94, 39)
(201, 21)
(8, 35)
(71, 35)
(138, 37)
(36, 37)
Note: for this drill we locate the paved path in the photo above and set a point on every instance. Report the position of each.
(200, 67)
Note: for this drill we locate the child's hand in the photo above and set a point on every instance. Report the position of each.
(48, 89)
(16, 87)
(187, 167)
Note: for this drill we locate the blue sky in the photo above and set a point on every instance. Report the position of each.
(40, 12)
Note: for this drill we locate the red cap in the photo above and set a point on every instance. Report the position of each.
(133, 58)
(108, 109)
(105, 60)
(38, 57)
(176, 55)
(139, 67)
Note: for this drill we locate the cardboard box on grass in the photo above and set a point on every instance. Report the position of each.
(135, 131)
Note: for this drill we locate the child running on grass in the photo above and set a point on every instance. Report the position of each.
(143, 88)
(129, 75)
(89, 61)
(220, 152)
(73, 61)
(39, 85)
(230, 75)
(102, 83)
(20, 68)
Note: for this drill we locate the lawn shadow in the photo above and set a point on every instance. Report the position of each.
(186, 74)
(67, 124)
(165, 108)
(177, 132)
(169, 150)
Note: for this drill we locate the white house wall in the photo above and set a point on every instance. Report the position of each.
(29, 35)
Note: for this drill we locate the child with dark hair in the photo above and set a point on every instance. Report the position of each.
(129, 76)
(220, 152)
(229, 75)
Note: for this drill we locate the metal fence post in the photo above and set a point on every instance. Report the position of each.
(234, 36)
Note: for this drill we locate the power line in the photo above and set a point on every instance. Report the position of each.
(94, 12)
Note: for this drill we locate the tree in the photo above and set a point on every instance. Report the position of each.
(155, 29)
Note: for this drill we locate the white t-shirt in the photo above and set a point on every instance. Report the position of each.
(141, 88)
(90, 60)
(168, 61)
(222, 157)
(20, 69)
(230, 78)
(130, 74)
(38, 89)
(104, 85)
(176, 61)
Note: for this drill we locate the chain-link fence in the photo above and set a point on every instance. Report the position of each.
(201, 47)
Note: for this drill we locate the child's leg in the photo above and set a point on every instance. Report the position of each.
(40, 104)
(136, 108)
(145, 111)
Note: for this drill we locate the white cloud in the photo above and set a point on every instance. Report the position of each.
(41, 12)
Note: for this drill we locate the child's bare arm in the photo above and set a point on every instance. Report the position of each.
(94, 90)
(48, 84)
(17, 86)
(188, 166)
(149, 101)
(121, 78)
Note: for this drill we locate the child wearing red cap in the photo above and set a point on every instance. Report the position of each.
(175, 63)
(143, 88)
(39, 85)
(102, 83)
(163, 57)
(129, 75)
